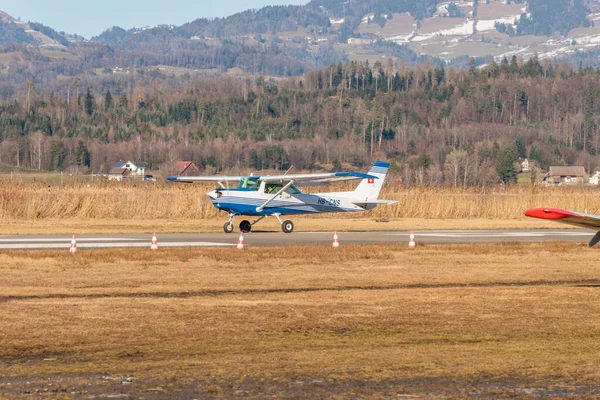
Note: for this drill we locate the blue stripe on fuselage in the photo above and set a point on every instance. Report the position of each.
(247, 206)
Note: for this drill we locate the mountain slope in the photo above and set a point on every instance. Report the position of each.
(18, 32)
(451, 30)
(289, 40)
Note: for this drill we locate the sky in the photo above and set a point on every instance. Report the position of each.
(90, 18)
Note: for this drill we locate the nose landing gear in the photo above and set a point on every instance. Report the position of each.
(228, 227)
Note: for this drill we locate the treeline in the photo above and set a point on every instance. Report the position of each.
(419, 9)
(277, 58)
(13, 33)
(437, 126)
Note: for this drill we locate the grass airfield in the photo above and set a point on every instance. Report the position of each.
(449, 321)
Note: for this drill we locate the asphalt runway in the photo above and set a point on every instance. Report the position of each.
(278, 239)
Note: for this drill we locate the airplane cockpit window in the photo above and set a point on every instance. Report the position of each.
(272, 188)
(248, 183)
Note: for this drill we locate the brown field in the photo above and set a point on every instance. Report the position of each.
(507, 320)
(400, 24)
(7, 58)
(31, 201)
(439, 47)
(435, 24)
(498, 9)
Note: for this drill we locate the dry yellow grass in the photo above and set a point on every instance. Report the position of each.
(358, 321)
(35, 201)
(27, 208)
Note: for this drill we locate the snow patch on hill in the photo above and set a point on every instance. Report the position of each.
(402, 38)
(464, 29)
(490, 24)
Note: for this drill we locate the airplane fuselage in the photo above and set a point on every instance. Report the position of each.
(244, 202)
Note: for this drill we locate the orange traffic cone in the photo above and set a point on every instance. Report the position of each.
(240, 244)
(73, 248)
(154, 245)
(411, 242)
(336, 241)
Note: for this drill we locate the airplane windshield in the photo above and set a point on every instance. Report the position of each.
(272, 188)
(249, 183)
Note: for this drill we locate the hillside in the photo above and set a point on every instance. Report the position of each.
(291, 40)
(18, 32)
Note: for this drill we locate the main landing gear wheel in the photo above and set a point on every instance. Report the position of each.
(228, 227)
(245, 226)
(287, 226)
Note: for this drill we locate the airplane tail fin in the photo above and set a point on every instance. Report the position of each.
(368, 189)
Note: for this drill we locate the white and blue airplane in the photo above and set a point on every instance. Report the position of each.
(278, 195)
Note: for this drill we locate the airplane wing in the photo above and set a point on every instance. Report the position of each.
(583, 220)
(316, 179)
(192, 179)
(299, 179)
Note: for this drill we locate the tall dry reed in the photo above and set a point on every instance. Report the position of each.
(34, 201)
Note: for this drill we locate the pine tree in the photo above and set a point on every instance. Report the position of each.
(521, 148)
(506, 166)
(108, 101)
(82, 155)
(89, 102)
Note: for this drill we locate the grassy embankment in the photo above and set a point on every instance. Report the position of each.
(460, 320)
(112, 207)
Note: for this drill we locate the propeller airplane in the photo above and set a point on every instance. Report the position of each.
(278, 195)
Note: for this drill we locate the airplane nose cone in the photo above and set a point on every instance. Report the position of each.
(213, 194)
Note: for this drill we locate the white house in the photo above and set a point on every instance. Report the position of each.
(135, 169)
(525, 165)
(595, 179)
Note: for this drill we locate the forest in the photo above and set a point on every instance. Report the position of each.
(437, 126)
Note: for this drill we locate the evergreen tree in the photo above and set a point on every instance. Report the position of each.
(521, 149)
(89, 102)
(58, 155)
(82, 155)
(505, 167)
(108, 101)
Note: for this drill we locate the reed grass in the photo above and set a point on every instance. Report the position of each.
(35, 201)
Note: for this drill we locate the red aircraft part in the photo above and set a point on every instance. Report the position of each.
(551, 213)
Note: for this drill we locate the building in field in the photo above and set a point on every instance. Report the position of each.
(595, 179)
(185, 168)
(118, 174)
(135, 169)
(566, 175)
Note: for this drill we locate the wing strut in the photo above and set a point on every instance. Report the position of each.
(595, 239)
(290, 183)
